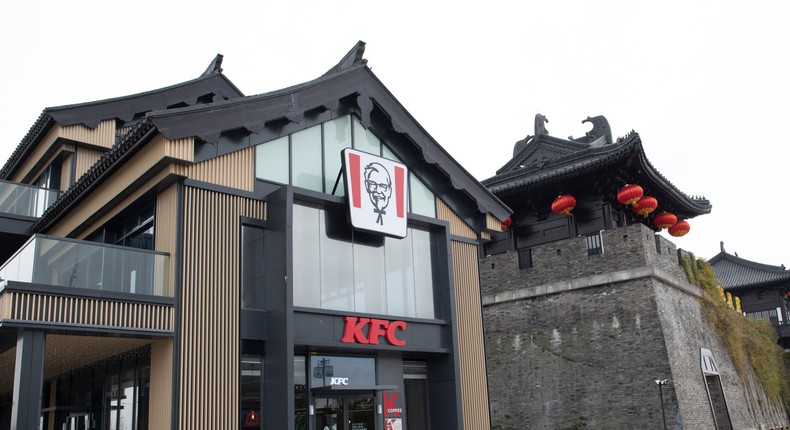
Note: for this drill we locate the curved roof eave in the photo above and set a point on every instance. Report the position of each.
(591, 159)
(92, 113)
(736, 272)
(252, 112)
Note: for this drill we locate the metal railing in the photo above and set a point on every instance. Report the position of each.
(71, 263)
(26, 200)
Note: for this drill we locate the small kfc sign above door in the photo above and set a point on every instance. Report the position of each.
(377, 189)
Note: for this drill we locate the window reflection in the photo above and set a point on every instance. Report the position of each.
(336, 268)
(311, 159)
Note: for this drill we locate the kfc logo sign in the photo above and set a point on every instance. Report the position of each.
(355, 331)
(338, 381)
(377, 189)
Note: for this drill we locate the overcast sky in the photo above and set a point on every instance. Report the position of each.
(704, 83)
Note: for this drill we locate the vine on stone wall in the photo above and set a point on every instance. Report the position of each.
(746, 338)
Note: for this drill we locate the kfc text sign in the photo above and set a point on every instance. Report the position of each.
(354, 331)
(377, 189)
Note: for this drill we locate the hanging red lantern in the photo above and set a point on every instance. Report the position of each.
(664, 220)
(629, 194)
(679, 229)
(506, 223)
(563, 204)
(645, 205)
(252, 419)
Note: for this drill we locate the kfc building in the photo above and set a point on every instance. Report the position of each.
(304, 259)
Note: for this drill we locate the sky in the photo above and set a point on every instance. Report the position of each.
(704, 83)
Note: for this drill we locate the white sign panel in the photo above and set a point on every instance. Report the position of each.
(376, 189)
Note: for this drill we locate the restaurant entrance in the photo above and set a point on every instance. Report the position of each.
(345, 412)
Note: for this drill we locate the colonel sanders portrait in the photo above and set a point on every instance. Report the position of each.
(379, 186)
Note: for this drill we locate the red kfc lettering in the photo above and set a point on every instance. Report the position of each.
(376, 328)
(391, 338)
(353, 332)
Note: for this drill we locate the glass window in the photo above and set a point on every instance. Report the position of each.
(369, 279)
(272, 160)
(423, 252)
(358, 272)
(306, 257)
(336, 274)
(300, 392)
(360, 371)
(306, 170)
(365, 140)
(311, 159)
(337, 136)
(400, 277)
(252, 268)
(423, 201)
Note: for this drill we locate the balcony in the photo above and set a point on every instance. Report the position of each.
(69, 264)
(25, 200)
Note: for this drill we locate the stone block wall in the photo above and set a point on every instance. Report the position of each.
(570, 344)
(624, 248)
(586, 356)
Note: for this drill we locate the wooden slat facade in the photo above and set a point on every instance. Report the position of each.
(235, 170)
(471, 346)
(457, 226)
(85, 159)
(209, 336)
(469, 315)
(86, 312)
(492, 223)
(161, 394)
(128, 178)
(103, 135)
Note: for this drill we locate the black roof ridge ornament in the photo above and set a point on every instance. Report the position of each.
(214, 67)
(599, 130)
(352, 58)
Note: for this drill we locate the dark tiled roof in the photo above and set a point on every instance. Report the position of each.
(572, 159)
(350, 77)
(735, 272)
(209, 86)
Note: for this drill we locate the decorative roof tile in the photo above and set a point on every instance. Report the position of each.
(736, 272)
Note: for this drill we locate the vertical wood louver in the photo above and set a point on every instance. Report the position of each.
(235, 170)
(209, 337)
(83, 311)
(468, 311)
(471, 348)
(457, 226)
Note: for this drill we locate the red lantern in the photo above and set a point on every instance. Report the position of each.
(679, 229)
(252, 419)
(645, 205)
(664, 220)
(629, 194)
(506, 223)
(563, 204)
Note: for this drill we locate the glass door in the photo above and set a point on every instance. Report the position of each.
(360, 413)
(349, 412)
(329, 413)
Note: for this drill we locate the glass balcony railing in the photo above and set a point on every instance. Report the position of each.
(27, 200)
(71, 263)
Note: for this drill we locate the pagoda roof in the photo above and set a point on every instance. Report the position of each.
(543, 160)
(350, 77)
(735, 272)
(210, 86)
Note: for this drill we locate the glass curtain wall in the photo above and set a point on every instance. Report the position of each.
(311, 159)
(351, 271)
